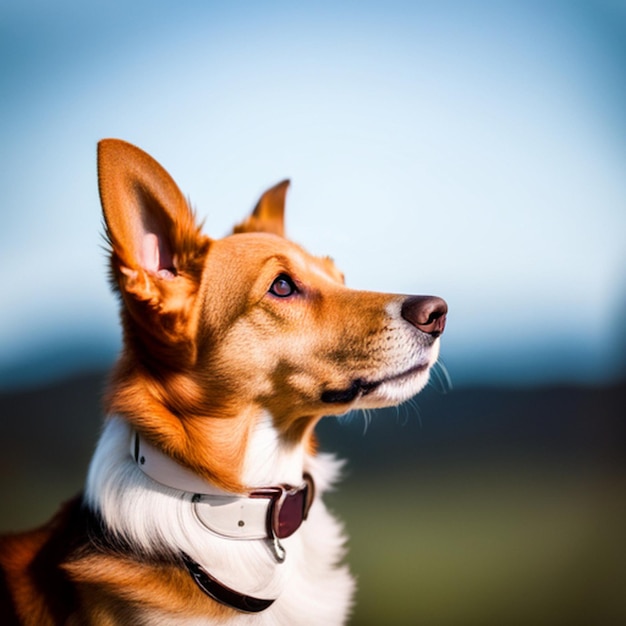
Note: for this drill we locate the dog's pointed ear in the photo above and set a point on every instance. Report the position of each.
(157, 249)
(149, 223)
(268, 215)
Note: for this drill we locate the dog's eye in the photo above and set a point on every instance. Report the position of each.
(283, 287)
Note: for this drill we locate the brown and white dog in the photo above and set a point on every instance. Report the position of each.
(203, 502)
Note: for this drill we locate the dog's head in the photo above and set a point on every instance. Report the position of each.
(217, 331)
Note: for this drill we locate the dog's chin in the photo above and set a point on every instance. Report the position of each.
(395, 390)
(385, 391)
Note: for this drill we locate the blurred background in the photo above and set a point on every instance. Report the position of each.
(473, 150)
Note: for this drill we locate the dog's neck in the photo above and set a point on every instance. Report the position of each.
(272, 513)
(159, 518)
(252, 515)
(269, 460)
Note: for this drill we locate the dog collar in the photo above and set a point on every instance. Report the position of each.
(273, 512)
(221, 593)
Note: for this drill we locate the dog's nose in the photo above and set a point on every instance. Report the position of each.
(428, 313)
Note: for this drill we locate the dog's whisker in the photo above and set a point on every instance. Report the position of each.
(413, 410)
(440, 372)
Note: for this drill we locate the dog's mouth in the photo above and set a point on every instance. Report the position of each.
(359, 387)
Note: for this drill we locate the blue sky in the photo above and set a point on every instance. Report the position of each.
(474, 150)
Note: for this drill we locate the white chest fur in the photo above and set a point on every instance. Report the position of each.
(310, 586)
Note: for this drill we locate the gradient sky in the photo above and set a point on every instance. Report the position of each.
(474, 150)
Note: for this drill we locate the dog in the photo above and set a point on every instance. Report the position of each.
(203, 500)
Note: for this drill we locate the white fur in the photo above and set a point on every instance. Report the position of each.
(268, 460)
(310, 586)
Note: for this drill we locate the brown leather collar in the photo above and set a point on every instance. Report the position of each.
(223, 594)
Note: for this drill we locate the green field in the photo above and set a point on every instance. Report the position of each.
(494, 548)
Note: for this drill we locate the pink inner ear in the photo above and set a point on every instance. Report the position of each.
(155, 257)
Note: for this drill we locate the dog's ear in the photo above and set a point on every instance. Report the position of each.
(269, 213)
(157, 250)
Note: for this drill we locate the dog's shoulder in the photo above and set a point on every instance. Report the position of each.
(35, 588)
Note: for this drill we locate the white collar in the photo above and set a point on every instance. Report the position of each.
(223, 513)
